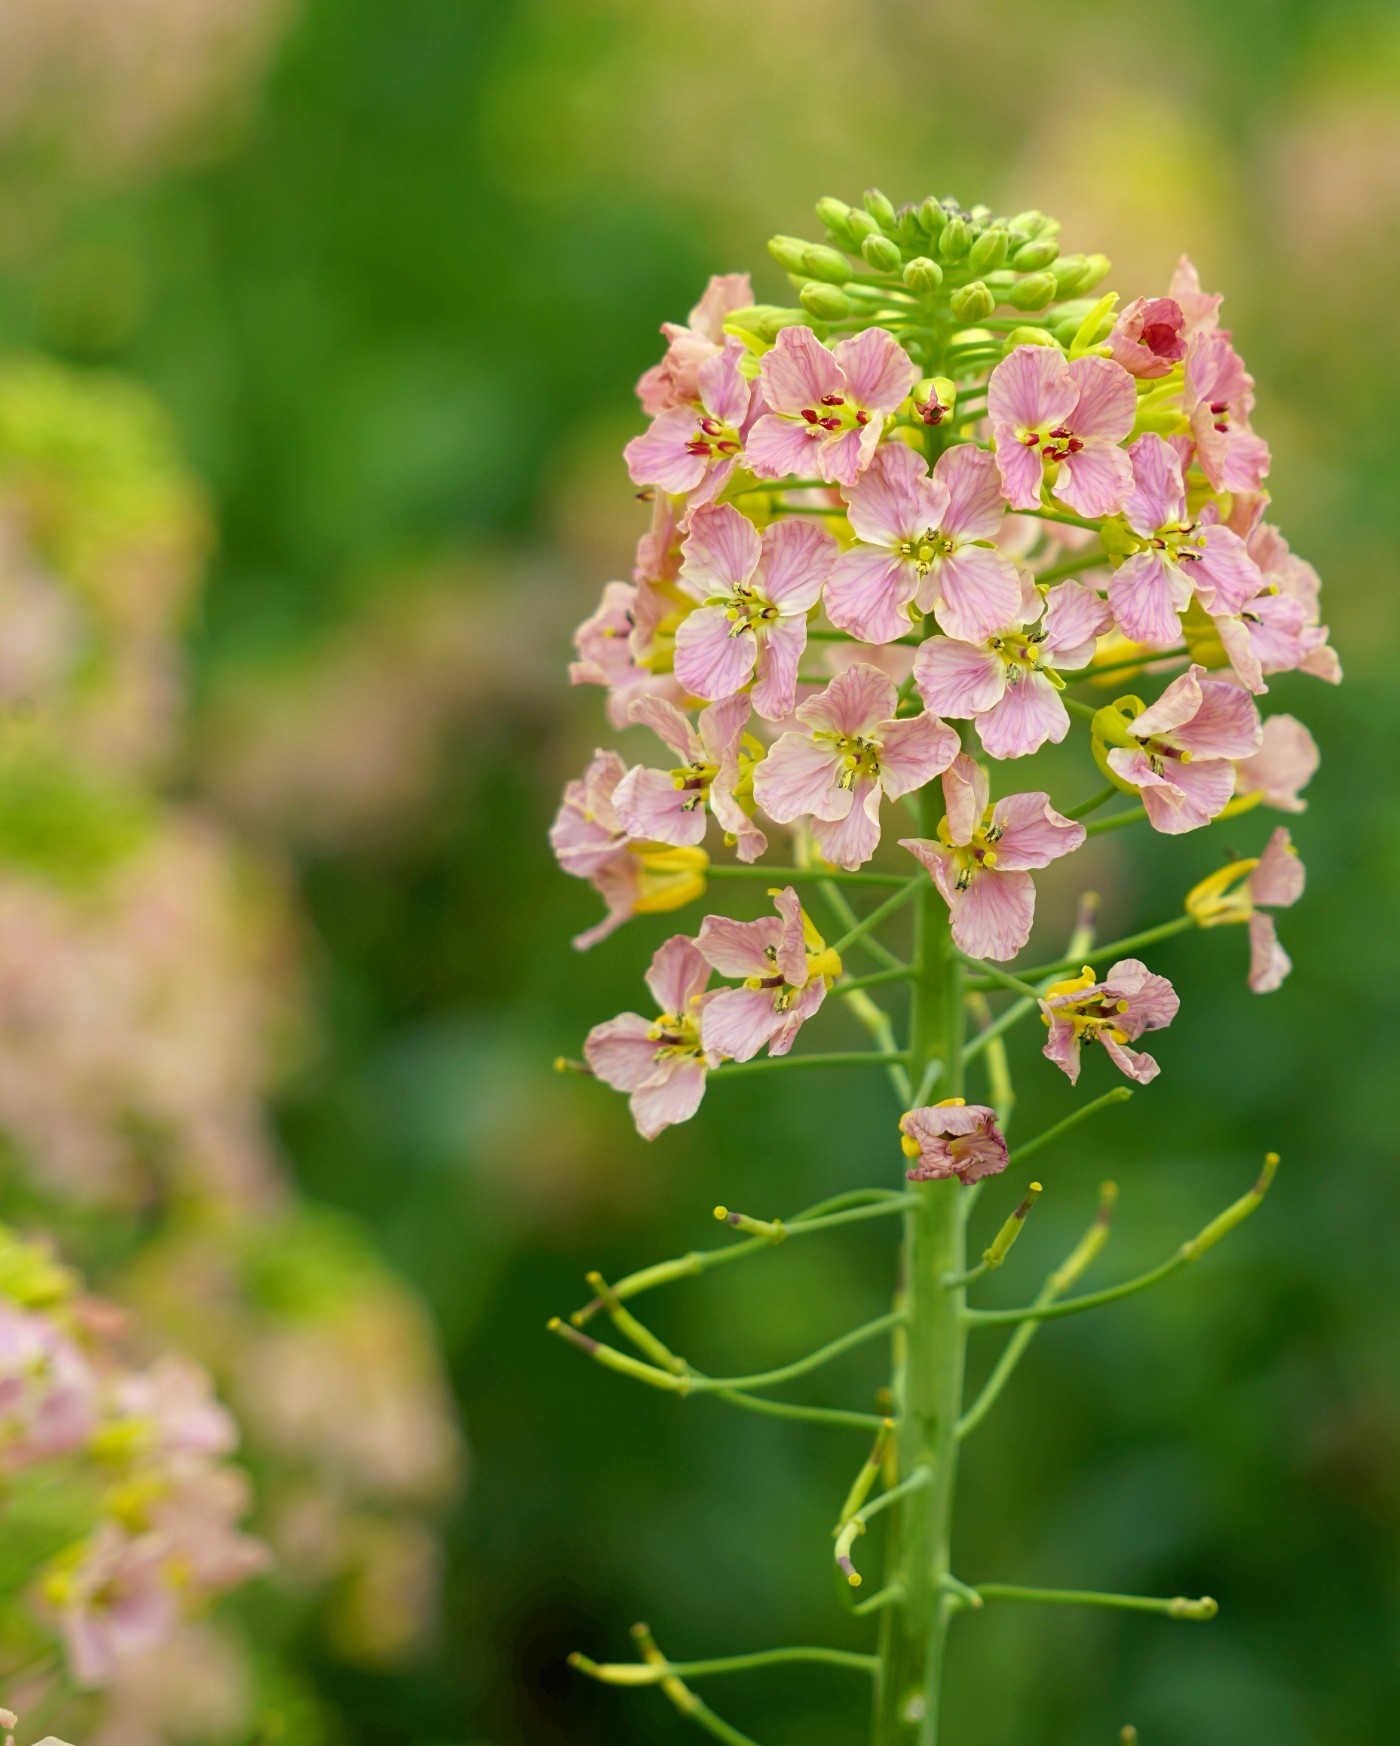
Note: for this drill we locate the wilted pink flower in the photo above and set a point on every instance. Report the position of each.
(587, 832)
(1114, 1012)
(675, 381)
(1149, 336)
(981, 860)
(1177, 557)
(1218, 399)
(1201, 309)
(661, 1063)
(952, 1139)
(668, 806)
(1181, 750)
(1046, 410)
(47, 1389)
(1011, 682)
(691, 451)
(1242, 891)
(787, 969)
(827, 408)
(757, 591)
(1286, 762)
(924, 547)
(855, 754)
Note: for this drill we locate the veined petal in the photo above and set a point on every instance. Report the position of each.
(652, 807)
(1033, 833)
(965, 791)
(992, 918)
(1147, 593)
(913, 752)
(1107, 400)
(1158, 496)
(1286, 762)
(803, 1007)
(1133, 1062)
(979, 592)
(792, 944)
(1278, 879)
(661, 455)
(1021, 467)
(712, 661)
(1226, 725)
(972, 483)
(1029, 714)
(672, 1096)
(869, 592)
(855, 702)
(724, 390)
(849, 842)
(1095, 481)
(878, 370)
(801, 777)
(737, 1022)
(958, 679)
(1062, 1045)
(1032, 387)
(888, 502)
(799, 371)
(778, 447)
(678, 974)
(668, 723)
(779, 655)
(1269, 964)
(1226, 578)
(1075, 618)
(736, 948)
(1176, 706)
(622, 1052)
(797, 559)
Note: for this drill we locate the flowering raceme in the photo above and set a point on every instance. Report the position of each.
(954, 510)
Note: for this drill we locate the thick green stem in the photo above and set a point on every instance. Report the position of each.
(928, 1379)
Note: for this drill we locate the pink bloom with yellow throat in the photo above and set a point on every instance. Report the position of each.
(1115, 1012)
(826, 409)
(661, 1063)
(1046, 410)
(786, 967)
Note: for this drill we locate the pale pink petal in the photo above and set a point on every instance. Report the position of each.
(969, 477)
(1062, 1045)
(711, 659)
(721, 551)
(879, 372)
(1286, 762)
(1032, 387)
(672, 1096)
(964, 1141)
(855, 701)
(913, 752)
(777, 447)
(1107, 403)
(1029, 714)
(802, 1008)
(1020, 466)
(958, 679)
(937, 861)
(780, 654)
(1238, 644)
(724, 389)
(1149, 337)
(1226, 725)
(737, 1022)
(737, 948)
(1185, 797)
(841, 459)
(668, 724)
(1269, 964)
(891, 499)
(1158, 496)
(799, 371)
(725, 293)
(869, 593)
(1033, 833)
(801, 776)
(993, 917)
(1095, 481)
(661, 456)
(651, 807)
(1152, 1002)
(721, 726)
(979, 591)
(1224, 575)
(1177, 704)
(1075, 619)
(965, 791)
(623, 1051)
(1147, 593)
(797, 559)
(678, 973)
(792, 945)
(849, 842)
(1278, 879)
(1133, 1062)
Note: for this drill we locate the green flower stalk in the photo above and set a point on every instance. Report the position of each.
(900, 539)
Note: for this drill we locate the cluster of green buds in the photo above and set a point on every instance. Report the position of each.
(941, 266)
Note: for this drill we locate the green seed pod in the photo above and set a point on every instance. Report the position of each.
(1029, 336)
(989, 251)
(882, 254)
(820, 262)
(953, 244)
(880, 208)
(1032, 292)
(1032, 256)
(826, 302)
(923, 275)
(972, 303)
(933, 216)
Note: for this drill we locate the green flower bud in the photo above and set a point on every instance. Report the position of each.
(934, 398)
(834, 214)
(1099, 268)
(908, 229)
(972, 303)
(740, 321)
(826, 302)
(882, 254)
(989, 250)
(880, 208)
(820, 262)
(1070, 319)
(1032, 256)
(981, 216)
(773, 321)
(1028, 224)
(861, 225)
(1070, 273)
(1032, 292)
(1029, 336)
(787, 251)
(1109, 731)
(953, 244)
(923, 275)
(933, 216)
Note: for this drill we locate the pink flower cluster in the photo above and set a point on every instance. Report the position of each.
(832, 581)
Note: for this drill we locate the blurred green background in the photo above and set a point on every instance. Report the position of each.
(394, 268)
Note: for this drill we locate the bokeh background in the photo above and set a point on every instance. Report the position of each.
(329, 311)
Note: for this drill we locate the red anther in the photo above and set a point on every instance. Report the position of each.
(832, 400)
(1030, 439)
(698, 447)
(1075, 445)
(809, 413)
(829, 423)
(1219, 406)
(728, 448)
(710, 426)
(862, 418)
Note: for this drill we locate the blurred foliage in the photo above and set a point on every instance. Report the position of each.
(396, 310)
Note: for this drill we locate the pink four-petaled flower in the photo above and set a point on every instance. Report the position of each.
(661, 1063)
(786, 968)
(826, 408)
(1182, 747)
(692, 450)
(1115, 1012)
(1047, 410)
(669, 806)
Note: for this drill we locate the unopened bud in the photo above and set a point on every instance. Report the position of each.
(1071, 272)
(923, 275)
(1032, 256)
(1028, 224)
(1032, 292)
(861, 225)
(774, 321)
(820, 262)
(955, 240)
(836, 216)
(880, 208)
(1099, 268)
(788, 251)
(989, 251)
(972, 303)
(907, 227)
(1029, 336)
(933, 216)
(934, 398)
(882, 254)
(826, 302)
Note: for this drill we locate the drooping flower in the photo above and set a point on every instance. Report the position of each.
(982, 859)
(952, 1138)
(1045, 410)
(924, 547)
(691, 451)
(1285, 763)
(826, 408)
(1115, 1012)
(675, 381)
(1244, 891)
(756, 592)
(1010, 684)
(591, 842)
(1176, 557)
(1218, 398)
(787, 969)
(1148, 337)
(661, 1063)
(854, 754)
(1178, 752)
(718, 761)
